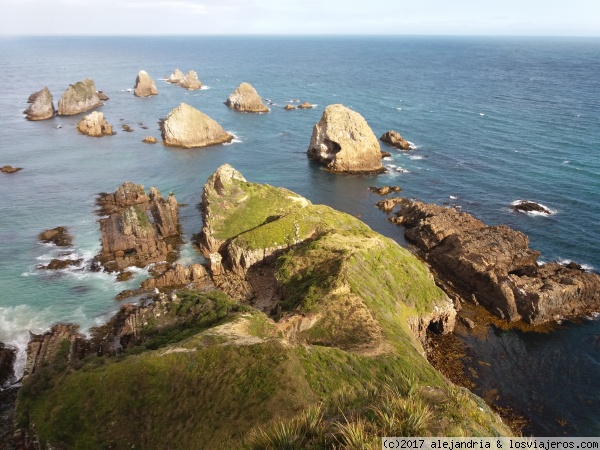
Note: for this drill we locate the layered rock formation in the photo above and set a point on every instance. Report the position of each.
(495, 265)
(187, 127)
(41, 107)
(246, 99)
(95, 125)
(343, 142)
(140, 229)
(394, 139)
(79, 97)
(178, 275)
(144, 85)
(190, 81)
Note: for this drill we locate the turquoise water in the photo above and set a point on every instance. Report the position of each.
(494, 120)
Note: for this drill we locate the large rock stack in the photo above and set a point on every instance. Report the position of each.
(79, 97)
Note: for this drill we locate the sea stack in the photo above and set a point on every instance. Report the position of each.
(190, 81)
(175, 77)
(95, 125)
(396, 140)
(144, 85)
(246, 99)
(79, 97)
(41, 105)
(187, 127)
(342, 141)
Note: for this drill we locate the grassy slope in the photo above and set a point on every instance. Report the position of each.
(359, 361)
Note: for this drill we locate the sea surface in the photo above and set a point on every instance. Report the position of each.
(494, 120)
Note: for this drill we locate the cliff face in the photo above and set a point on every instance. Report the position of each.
(246, 99)
(41, 107)
(79, 97)
(140, 228)
(496, 265)
(342, 141)
(187, 127)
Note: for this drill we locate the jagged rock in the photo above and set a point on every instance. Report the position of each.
(7, 359)
(529, 206)
(175, 77)
(150, 140)
(441, 320)
(59, 264)
(102, 96)
(393, 138)
(41, 106)
(178, 275)
(385, 154)
(141, 229)
(126, 128)
(10, 169)
(289, 107)
(497, 267)
(385, 190)
(187, 127)
(95, 125)
(388, 204)
(190, 81)
(343, 142)
(58, 236)
(144, 85)
(305, 105)
(246, 99)
(79, 97)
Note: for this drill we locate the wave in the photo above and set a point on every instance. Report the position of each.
(416, 157)
(587, 267)
(402, 170)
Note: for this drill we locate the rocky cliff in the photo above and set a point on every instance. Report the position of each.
(187, 127)
(342, 141)
(140, 228)
(95, 125)
(41, 107)
(144, 85)
(246, 99)
(79, 97)
(495, 266)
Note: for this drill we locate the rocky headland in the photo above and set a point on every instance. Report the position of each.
(245, 99)
(396, 140)
(144, 85)
(494, 266)
(187, 127)
(79, 97)
(95, 125)
(342, 141)
(41, 107)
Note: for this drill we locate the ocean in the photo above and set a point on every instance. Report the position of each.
(494, 120)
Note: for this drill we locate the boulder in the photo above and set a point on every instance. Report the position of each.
(496, 266)
(102, 96)
(246, 99)
(94, 124)
(175, 77)
(187, 127)
(144, 85)
(10, 169)
(289, 107)
(305, 105)
(41, 106)
(126, 128)
(141, 228)
(190, 81)
(58, 236)
(530, 207)
(150, 140)
(394, 139)
(79, 97)
(342, 141)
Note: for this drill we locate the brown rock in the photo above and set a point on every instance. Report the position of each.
(175, 77)
(190, 81)
(58, 236)
(59, 264)
(388, 204)
(529, 206)
(178, 275)
(41, 106)
(95, 125)
(289, 107)
(385, 154)
(187, 127)
(126, 128)
(10, 169)
(343, 142)
(102, 96)
(8, 356)
(385, 190)
(144, 85)
(79, 97)
(305, 105)
(150, 140)
(393, 138)
(246, 99)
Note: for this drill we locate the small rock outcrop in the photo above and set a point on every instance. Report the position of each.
(342, 141)
(528, 206)
(42, 107)
(289, 107)
(394, 139)
(95, 125)
(305, 105)
(102, 96)
(175, 77)
(187, 127)
(190, 81)
(496, 266)
(178, 275)
(140, 228)
(150, 140)
(144, 85)
(7, 359)
(10, 169)
(246, 99)
(78, 98)
(385, 190)
(58, 236)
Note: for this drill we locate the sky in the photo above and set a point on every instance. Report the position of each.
(243, 17)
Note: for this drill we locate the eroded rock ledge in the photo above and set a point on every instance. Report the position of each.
(495, 266)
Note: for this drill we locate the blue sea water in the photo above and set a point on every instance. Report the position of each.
(494, 120)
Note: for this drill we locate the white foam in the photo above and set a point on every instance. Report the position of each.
(586, 267)
(399, 109)
(482, 114)
(566, 162)
(413, 146)
(236, 139)
(205, 88)
(402, 170)
(454, 197)
(416, 157)
(388, 158)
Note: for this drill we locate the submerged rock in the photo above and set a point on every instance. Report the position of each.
(393, 138)
(102, 96)
(305, 105)
(342, 141)
(530, 207)
(144, 85)
(289, 107)
(95, 125)
(58, 236)
(246, 99)
(187, 127)
(10, 169)
(190, 81)
(150, 140)
(41, 107)
(79, 97)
